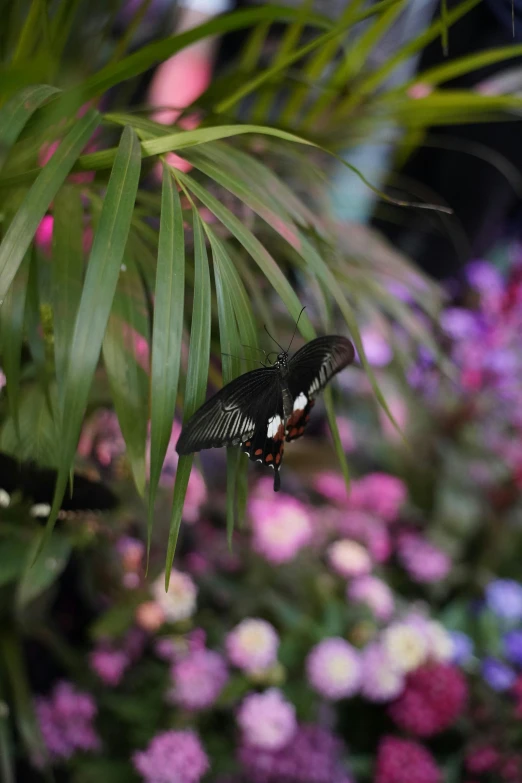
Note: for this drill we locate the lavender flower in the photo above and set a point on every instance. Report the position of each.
(172, 757)
(380, 680)
(512, 643)
(333, 668)
(504, 598)
(267, 720)
(198, 679)
(252, 645)
(313, 756)
(462, 647)
(497, 674)
(66, 721)
(109, 664)
(423, 561)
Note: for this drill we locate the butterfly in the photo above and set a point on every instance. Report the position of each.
(262, 409)
(36, 485)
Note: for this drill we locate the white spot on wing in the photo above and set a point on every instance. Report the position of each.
(300, 402)
(273, 426)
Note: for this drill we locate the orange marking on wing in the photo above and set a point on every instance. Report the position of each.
(300, 430)
(280, 434)
(257, 452)
(248, 443)
(269, 458)
(294, 418)
(278, 459)
(293, 432)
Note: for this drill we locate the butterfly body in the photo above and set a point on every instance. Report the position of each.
(262, 409)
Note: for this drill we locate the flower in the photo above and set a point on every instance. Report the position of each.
(131, 551)
(348, 558)
(374, 593)
(434, 696)
(109, 664)
(462, 647)
(150, 616)
(481, 759)
(280, 529)
(332, 486)
(438, 639)
(504, 598)
(497, 674)
(198, 679)
(379, 680)
(405, 645)
(66, 721)
(378, 493)
(312, 756)
(252, 645)
(423, 561)
(512, 643)
(369, 530)
(267, 720)
(172, 757)
(333, 668)
(395, 756)
(179, 602)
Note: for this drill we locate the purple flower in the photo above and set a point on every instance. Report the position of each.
(462, 647)
(267, 720)
(512, 643)
(66, 721)
(198, 679)
(252, 645)
(109, 664)
(504, 598)
(172, 757)
(334, 669)
(424, 562)
(313, 756)
(380, 680)
(374, 593)
(497, 674)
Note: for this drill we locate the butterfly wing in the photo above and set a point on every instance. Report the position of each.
(230, 416)
(267, 444)
(309, 370)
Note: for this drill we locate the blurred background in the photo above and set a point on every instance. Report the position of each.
(173, 178)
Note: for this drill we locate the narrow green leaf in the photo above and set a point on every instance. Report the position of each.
(13, 556)
(95, 304)
(167, 333)
(32, 319)
(40, 575)
(260, 255)
(16, 112)
(20, 233)
(66, 275)
(197, 373)
(14, 666)
(7, 770)
(36, 437)
(11, 336)
(127, 378)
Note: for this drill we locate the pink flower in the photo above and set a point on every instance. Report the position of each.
(131, 551)
(44, 234)
(198, 679)
(419, 90)
(395, 756)
(109, 664)
(333, 668)
(380, 494)
(482, 759)
(332, 486)
(252, 645)
(281, 528)
(434, 697)
(66, 720)
(380, 681)
(267, 720)
(179, 602)
(312, 756)
(347, 558)
(172, 757)
(374, 593)
(423, 561)
(368, 529)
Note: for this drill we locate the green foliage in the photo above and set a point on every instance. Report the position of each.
(314, 97)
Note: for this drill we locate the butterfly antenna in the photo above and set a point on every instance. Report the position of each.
(242, 358)
(273, 338)
(253, 348)
(295, 329)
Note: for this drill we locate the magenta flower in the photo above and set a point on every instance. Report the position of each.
(380, 681)
(109, 664)
(44, 234)
(281, 527)
(423, 561)
(198, 679)
(374, 593)
(252, 645)
(267, 720)
(332, 486)
(312, 756)
(65, 718)
(396, 755)
(380, 494)
(333, 668)
(172, 757)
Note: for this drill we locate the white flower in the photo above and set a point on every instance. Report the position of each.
(406, 646)
(348, 558)
(179, 602)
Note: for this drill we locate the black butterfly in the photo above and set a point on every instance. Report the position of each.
(36, 484)
(262, 408)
